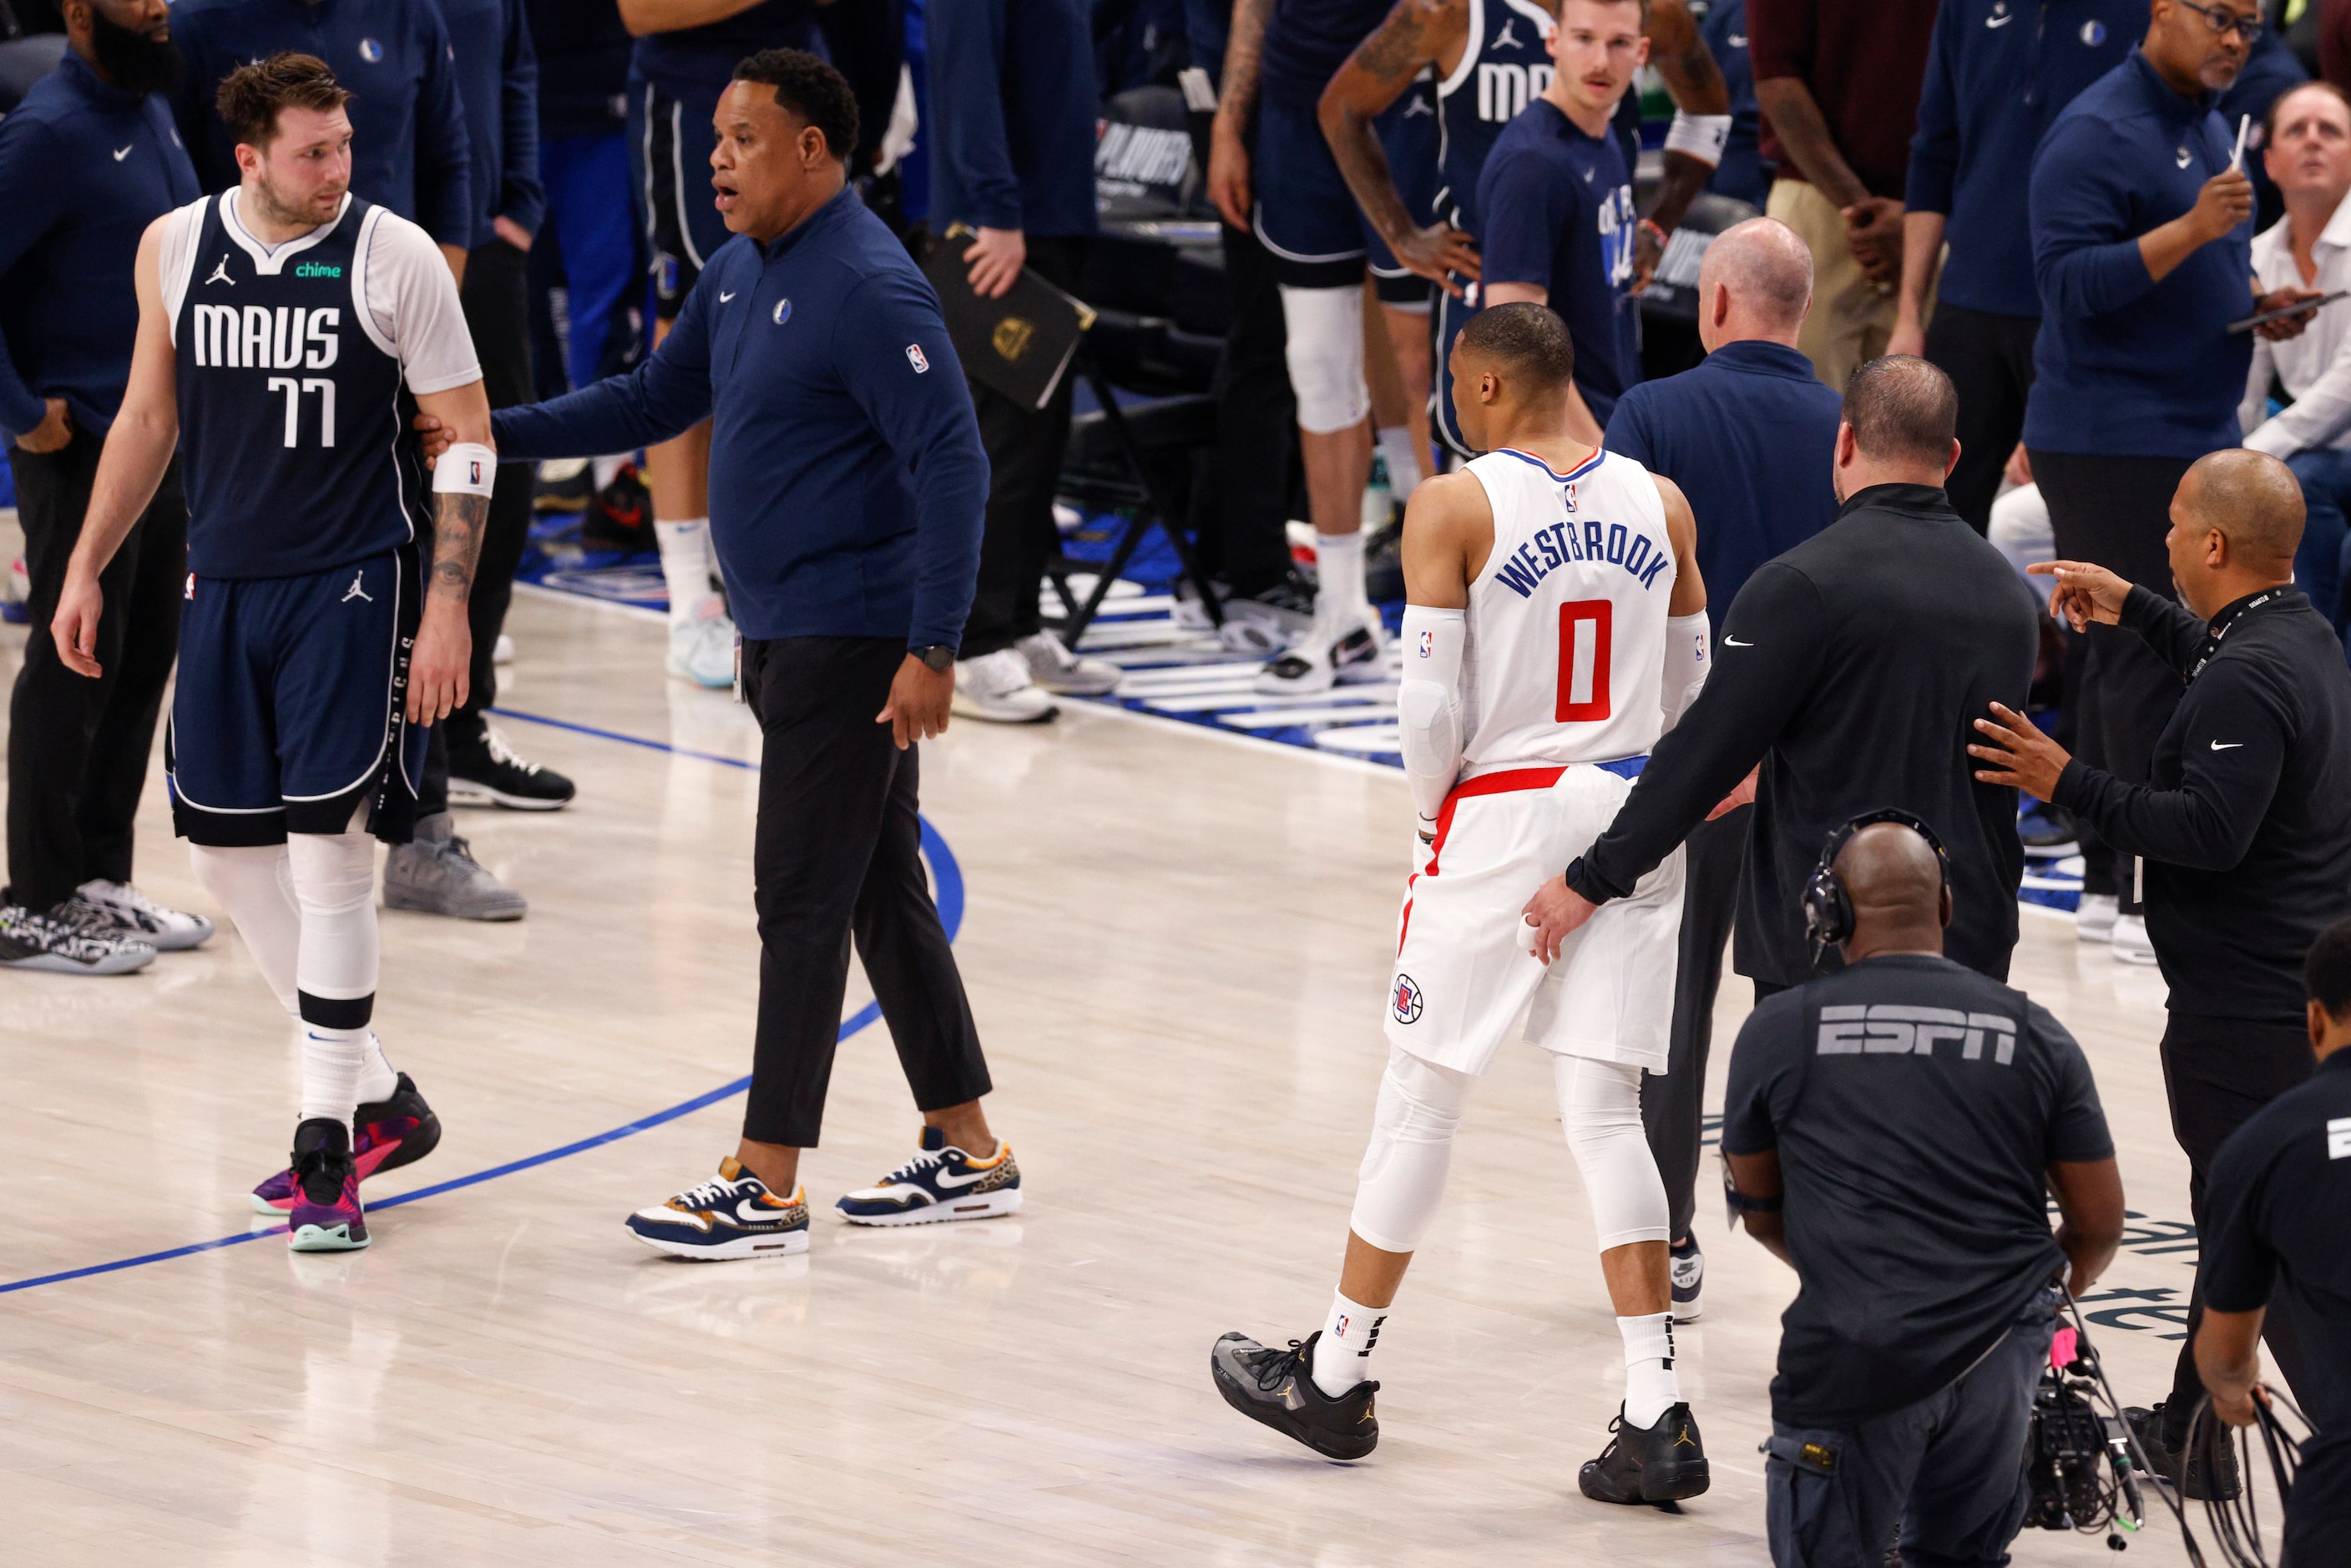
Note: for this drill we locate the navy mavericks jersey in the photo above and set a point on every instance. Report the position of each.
(1503, 68)
(1306, 42)
(294, 433)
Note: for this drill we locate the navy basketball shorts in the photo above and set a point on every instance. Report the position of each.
(669, 141)
(1305, 215)
(290, 712)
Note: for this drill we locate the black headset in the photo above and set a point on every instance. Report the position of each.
(1828, 908)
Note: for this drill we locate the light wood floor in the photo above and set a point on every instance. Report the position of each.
(1177, 944)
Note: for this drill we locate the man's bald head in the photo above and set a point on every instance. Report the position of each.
(1895, 882)
(2253, 499)
(1766, 269)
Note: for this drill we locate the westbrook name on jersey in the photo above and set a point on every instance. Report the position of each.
(295, 411)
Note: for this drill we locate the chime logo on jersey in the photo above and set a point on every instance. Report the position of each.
(1594, 540)
(1406, 1001)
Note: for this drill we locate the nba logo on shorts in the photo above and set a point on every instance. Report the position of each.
(1427, 644)
(914, 358)
(1406, 1003)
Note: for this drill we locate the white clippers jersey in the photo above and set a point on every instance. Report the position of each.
(1567, 621)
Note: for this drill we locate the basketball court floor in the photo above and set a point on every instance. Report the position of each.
(1175, 939)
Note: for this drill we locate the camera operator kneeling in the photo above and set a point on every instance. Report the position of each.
(1888, 1132)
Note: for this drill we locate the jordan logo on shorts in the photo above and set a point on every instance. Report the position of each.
(355, 590)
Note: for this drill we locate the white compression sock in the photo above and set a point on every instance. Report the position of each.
(1650, 1386)
(1339, 598)
(377, 1080)
(256, 885)
(685, 566)
(1342, 1356)
(1404, 462)
(335, 972)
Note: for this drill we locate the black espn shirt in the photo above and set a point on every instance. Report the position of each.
(2279, 1210)
(1916, 1105)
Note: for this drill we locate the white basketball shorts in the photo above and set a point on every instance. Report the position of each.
(1463, 972)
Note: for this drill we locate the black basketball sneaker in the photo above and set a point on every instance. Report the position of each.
(2205, 1473)
(486, 771)
(1277, 1388)
(1648, 1464)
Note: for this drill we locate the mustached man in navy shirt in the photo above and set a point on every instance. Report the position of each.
(1750, 436)
(847, 485)
(87, 163)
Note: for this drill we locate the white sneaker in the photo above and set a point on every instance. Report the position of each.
(135, 914)
(502, 651)
(2131, 944)
(1052, 666)
(2094, 917)
(998, 689)
(703, 650)
(1319, 662)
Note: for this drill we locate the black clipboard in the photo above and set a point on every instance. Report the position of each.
(1019, 345)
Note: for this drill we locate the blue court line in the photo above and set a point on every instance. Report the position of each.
(945, 872)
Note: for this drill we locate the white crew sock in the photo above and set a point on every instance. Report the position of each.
(1342, 1356)
(1650, 1386)
(378, 1081)
(1404, 460)
(1339, 599)
(685, 566)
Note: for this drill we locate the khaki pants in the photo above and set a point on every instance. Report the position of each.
(1850, 319)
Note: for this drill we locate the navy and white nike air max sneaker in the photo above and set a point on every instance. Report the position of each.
(1687, 1265)
(941, 1183)
(734, 1217)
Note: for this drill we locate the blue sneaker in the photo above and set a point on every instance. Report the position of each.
(734, 1217)
(940, 1182)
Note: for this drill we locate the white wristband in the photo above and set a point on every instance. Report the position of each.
(1702, 136)
(467, 468)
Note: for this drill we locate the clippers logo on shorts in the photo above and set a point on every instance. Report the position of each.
(914, 358)
(1898, 1030)
(1405, 1002)
(293, 421)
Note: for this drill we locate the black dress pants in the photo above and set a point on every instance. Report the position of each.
(1672, 1106)
(78, 748)
(837, 858)
(1990, 360)
(496, 297)
(2114, 511)
(1024, 467)
(1241, 505)
(2217, 1072)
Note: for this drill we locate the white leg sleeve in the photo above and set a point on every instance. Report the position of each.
(1687, 662)
(256, 885)
(1428, 704)
(335, 972)
(1326, 357)
(1403, 1178)
(1600, 1103)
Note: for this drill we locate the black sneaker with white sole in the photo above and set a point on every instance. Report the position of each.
(1662, 1463)
(1315, 666)
(78, 941)
(2207, 1473)
(486, 771)
(1687, 1266)
(1277, 1388)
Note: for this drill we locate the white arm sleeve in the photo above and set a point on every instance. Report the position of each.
(1686, 664)
(412, 304)
(1702, 136)
(1428, 704)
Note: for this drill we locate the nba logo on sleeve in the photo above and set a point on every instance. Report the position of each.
(474, 471)
(1427, 644)
(914, 358)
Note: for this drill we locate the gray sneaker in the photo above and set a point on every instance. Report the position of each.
(71, 939)
(437, 874)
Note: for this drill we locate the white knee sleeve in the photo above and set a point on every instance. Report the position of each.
(1600, 1102)
(334, 888)
(256, 885)
(1403, 1178)
(1326, 357)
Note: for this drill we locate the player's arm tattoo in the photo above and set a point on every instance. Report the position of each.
(1696, 82)
(458, 521)
(1379, 71)
(1244, 51)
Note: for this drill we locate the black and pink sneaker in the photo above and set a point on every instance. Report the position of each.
(325, 1216)
(392, 1134)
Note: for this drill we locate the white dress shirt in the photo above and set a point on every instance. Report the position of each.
(2315, 367)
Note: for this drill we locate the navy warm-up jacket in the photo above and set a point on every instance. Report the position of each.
(498, 81)
(1012, 115)
(847, 481)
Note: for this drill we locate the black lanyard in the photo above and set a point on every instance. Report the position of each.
(2225, 622)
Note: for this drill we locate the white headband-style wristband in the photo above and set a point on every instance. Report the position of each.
(1701, 136)
(467, 468)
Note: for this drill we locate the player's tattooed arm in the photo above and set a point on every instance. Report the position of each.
(458, 522)
(1228, 158)
(1417, 33)
(1693, 79)
(440, 662)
